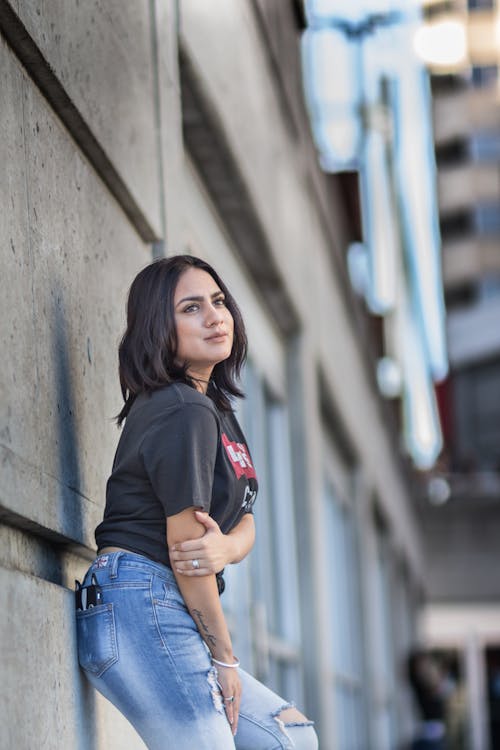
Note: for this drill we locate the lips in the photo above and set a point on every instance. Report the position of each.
(217, 337)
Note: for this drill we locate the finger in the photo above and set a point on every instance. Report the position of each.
(229, 706)
(188, 565)
(187, 568)
(196, 554)
(190, 572)
(188, 546)
(206, 520)
(236, 711)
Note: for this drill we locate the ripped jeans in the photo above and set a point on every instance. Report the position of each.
(141, 649)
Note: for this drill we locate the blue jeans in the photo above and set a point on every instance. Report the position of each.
(141, 649)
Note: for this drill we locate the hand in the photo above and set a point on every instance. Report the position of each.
(230, 685)
(213, 550)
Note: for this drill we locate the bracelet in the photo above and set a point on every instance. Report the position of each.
(234, 665)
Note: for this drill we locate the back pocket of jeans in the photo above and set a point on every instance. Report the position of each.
(96, 634)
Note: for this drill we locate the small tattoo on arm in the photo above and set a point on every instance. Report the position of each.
(209, 638)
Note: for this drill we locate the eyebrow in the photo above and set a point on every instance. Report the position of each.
(200, 298)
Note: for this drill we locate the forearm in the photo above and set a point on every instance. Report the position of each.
(212, 550)
(241, 539)
(200, 594)
(202, 600)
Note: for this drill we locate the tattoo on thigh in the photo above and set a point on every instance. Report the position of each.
(209, 638)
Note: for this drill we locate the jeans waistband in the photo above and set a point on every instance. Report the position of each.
(111, 561)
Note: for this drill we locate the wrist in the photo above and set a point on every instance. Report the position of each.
(224, 654)
(233, 663)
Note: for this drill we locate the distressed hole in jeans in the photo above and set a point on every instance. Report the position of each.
(289, 716)
(215, 690)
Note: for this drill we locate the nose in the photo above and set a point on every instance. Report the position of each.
(213, 317)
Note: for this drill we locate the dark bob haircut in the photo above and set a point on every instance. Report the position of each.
(149, 345)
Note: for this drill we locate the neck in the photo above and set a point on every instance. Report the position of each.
(200, 383)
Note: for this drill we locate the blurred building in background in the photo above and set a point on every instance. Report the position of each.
(462, 522)
(135, 130)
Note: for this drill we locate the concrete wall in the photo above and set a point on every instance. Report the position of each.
(81, 206)
(96, 180)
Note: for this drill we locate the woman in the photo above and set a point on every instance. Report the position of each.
(178, 509)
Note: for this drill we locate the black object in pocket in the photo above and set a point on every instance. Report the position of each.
(96, 634)
(87, 597)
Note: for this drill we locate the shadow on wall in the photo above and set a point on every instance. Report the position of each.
(69, 509)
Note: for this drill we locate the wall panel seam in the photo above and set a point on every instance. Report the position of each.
(44, 77)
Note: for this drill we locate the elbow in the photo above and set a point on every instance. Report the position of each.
(183, 526)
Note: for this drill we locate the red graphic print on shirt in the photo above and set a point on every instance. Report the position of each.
(239, 457)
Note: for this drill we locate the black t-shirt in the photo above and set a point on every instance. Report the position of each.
(176, 450)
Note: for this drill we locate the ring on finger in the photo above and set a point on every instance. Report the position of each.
(230, 699)
(195, 563)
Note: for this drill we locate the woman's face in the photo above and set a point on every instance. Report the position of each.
(203, 323)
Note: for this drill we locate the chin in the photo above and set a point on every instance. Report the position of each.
(222, 358)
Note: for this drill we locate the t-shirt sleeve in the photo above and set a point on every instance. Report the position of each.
(179, 453)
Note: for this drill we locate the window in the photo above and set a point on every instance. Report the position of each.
(270, 590)
(452, 152)
(405, 618)
(488, 287)
(460, 296)
(476, 396)
(484, 146)
(484, 75)
(480, 4)
(382, 647)
(487, 219)
(456, 225)
(344, 595)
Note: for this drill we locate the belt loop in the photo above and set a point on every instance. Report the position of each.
(115, 557)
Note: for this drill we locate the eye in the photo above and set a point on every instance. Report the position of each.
(191, 308)
(220, 301)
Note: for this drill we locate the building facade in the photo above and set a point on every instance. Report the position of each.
(132, 130)
(462, 524)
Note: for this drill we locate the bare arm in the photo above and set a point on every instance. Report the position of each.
(202, 600)
(214, 550)
(243, 538)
